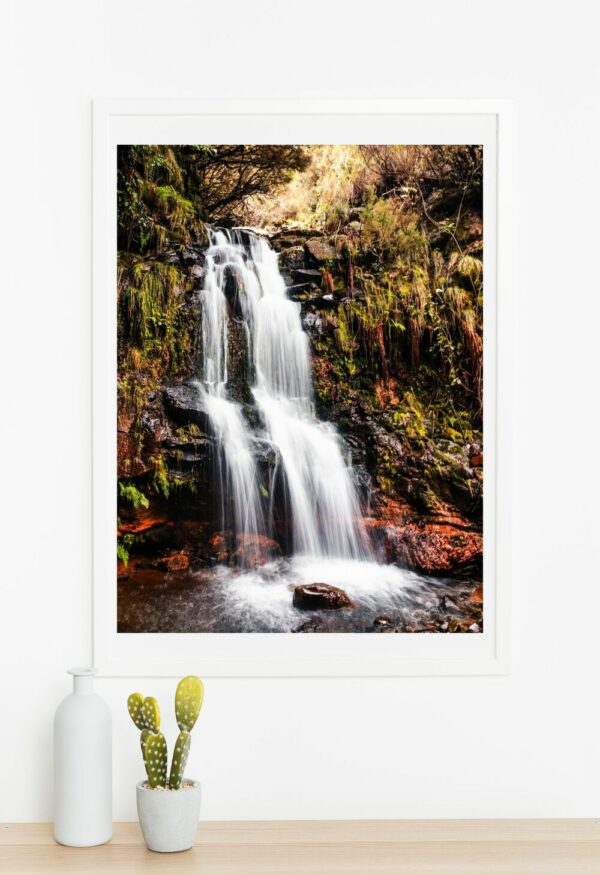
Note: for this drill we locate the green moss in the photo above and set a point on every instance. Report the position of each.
(122, 554)
(155, 201)
(411, 418)
(129, 493)
(190, 433)
(151, 296)
(160, 476)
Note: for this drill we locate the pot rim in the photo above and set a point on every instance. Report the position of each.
(141, 785)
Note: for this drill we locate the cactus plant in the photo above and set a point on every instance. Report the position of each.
(155, 750)
(145, 713)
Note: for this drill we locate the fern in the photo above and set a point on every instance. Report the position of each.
(128, 492)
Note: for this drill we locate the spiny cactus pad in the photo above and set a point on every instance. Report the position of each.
(151, 714)
(143, 736)
(155, 757)
(135, 704)
(188, 701)
(180, 755)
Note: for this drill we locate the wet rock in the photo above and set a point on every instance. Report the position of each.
(187, 536)
(292, 259)
(324, 302)
(238, 371)
(186, 444)
(143, 521)
(122, 570)
(312, 322)
(172, 563)
(436, 473)
(477, 460)
(182, 402)
(303, 292)
(251, 551)
(219, 550)
(197, 274)
(474, 627)
(321, 596)
(190, 256)
(383, 621)
(319, 250)
(446, 604)
(312, 625)
(129, 463)
(362, 478)
(287, 237)
(307, 276)
(265, 454)
(170, 257)
(441, 542)
(234, 291)
(132, 463)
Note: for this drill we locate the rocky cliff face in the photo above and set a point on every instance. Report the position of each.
(423, 488)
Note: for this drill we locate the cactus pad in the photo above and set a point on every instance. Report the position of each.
(180, 755)
(188, 701)
(155, 757)
(143, 736)
(135, 704)
(151, 714)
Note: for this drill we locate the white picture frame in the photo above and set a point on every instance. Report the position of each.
(307, 121)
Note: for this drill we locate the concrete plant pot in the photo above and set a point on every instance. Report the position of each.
(169, 818)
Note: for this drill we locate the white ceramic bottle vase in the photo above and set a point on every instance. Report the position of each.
(82, 765)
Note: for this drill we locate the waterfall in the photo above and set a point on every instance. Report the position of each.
(242, 274)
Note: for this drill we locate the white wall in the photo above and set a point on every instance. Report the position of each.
(518, 746)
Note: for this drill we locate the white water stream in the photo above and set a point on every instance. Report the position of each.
(324, 506)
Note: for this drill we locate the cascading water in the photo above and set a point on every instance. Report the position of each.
(271, 420)
(236, 464)
(324, 507)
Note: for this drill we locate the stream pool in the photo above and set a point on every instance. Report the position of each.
(219, 599)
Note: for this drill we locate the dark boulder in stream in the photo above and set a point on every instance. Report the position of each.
(321, 596)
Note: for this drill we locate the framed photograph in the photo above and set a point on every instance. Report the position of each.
(301, 387)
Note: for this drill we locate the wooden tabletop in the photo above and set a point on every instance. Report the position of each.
(402, 847)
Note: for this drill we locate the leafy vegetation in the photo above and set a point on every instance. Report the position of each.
(129, 493)
(166, 193)
(153, 328)
(407, 221)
